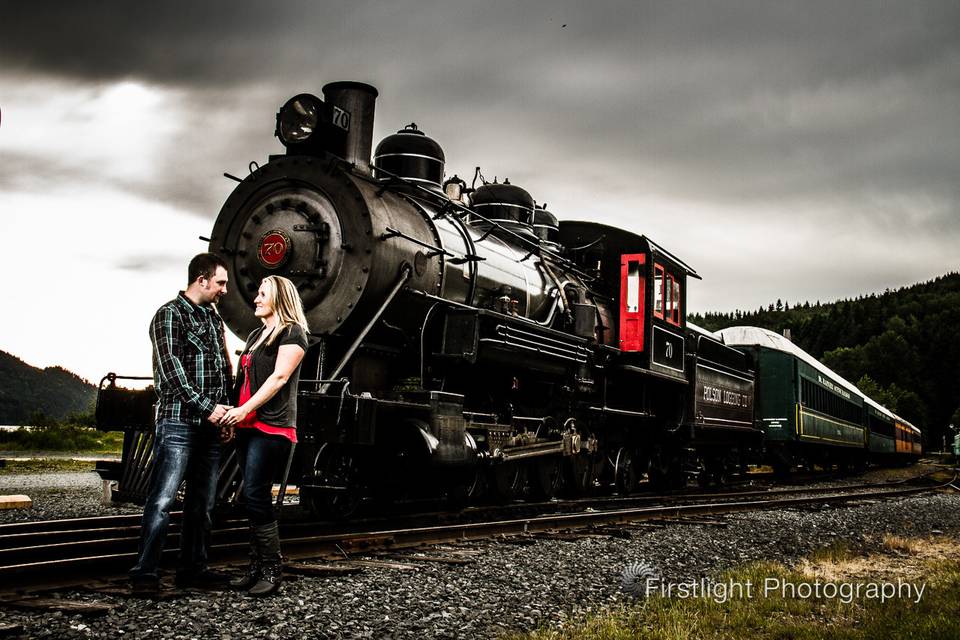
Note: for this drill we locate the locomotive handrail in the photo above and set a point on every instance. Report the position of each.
(113, 377)
(405, 274)
(390, 233)
(423, 333)
(324, 380)
(460, 305)
(584, 247)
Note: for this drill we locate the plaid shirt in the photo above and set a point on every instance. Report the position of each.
(191, 368)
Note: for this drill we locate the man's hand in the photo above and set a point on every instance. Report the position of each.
(234, 417)
(218, 413)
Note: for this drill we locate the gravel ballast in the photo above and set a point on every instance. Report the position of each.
(509, 586)
(58, 495)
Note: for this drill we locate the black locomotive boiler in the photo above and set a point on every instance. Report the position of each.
(464, 343)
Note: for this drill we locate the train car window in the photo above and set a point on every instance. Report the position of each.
(817, 398)
(633, 287)
(676, 300)
(658, 291)
(667, 297)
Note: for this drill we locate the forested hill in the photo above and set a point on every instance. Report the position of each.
(26, 390)
(900, 347)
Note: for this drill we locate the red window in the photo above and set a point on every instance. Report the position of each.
(632, 297)
(666, 296)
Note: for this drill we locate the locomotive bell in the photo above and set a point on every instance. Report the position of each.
(411, 155)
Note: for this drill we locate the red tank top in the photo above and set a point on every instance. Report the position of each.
(251, 422)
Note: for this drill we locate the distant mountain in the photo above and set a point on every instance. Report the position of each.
(54, 391)
(901, 347)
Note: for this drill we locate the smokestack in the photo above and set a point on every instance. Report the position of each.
(357, 99)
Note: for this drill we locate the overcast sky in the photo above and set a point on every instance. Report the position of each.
(797, 150)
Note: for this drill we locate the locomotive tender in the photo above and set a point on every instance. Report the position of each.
(463, 341)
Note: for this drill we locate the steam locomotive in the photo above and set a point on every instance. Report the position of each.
(464, 343)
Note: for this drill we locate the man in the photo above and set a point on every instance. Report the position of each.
(192, 374)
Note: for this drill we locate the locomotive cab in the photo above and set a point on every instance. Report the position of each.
(649, 304)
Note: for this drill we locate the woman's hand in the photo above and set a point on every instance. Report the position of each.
(226, 434)
(233, 417)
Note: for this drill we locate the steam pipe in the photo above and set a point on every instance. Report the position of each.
(404, 276)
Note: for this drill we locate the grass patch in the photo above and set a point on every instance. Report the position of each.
(75, 433)
(836, 552)
(45, 465)
(900, 544)
(778, 614)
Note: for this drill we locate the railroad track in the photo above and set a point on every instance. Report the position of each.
(38, 556)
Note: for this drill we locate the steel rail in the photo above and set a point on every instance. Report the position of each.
(94, 529)
(97, 557)
(78, 529)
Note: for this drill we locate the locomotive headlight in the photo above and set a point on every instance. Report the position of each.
(298, 118)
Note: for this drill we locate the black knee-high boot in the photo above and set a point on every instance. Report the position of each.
(252, 575)
(271, 570)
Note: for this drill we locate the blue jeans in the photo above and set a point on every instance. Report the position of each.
(262, 458)
(181, 452)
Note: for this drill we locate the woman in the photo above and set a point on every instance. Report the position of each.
(265, 420)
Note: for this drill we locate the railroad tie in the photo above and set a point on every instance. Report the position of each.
(15, 502)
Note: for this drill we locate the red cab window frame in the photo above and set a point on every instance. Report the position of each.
(633, 298)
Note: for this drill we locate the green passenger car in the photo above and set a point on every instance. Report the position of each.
(881, 423)
(807, 412)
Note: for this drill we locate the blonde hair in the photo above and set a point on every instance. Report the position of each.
(285, 300)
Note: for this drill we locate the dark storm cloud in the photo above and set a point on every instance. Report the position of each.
(37, 172)
(474, 47)
(821, 106)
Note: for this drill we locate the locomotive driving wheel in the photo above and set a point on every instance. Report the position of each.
(464, 490)
(338, 491)
(666, 469)
(546, 474)
(626, 473)
(578, 474)
(507, 480)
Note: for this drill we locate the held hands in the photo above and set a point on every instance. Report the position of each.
(218, 413)
(233, 417)
(227, 418)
